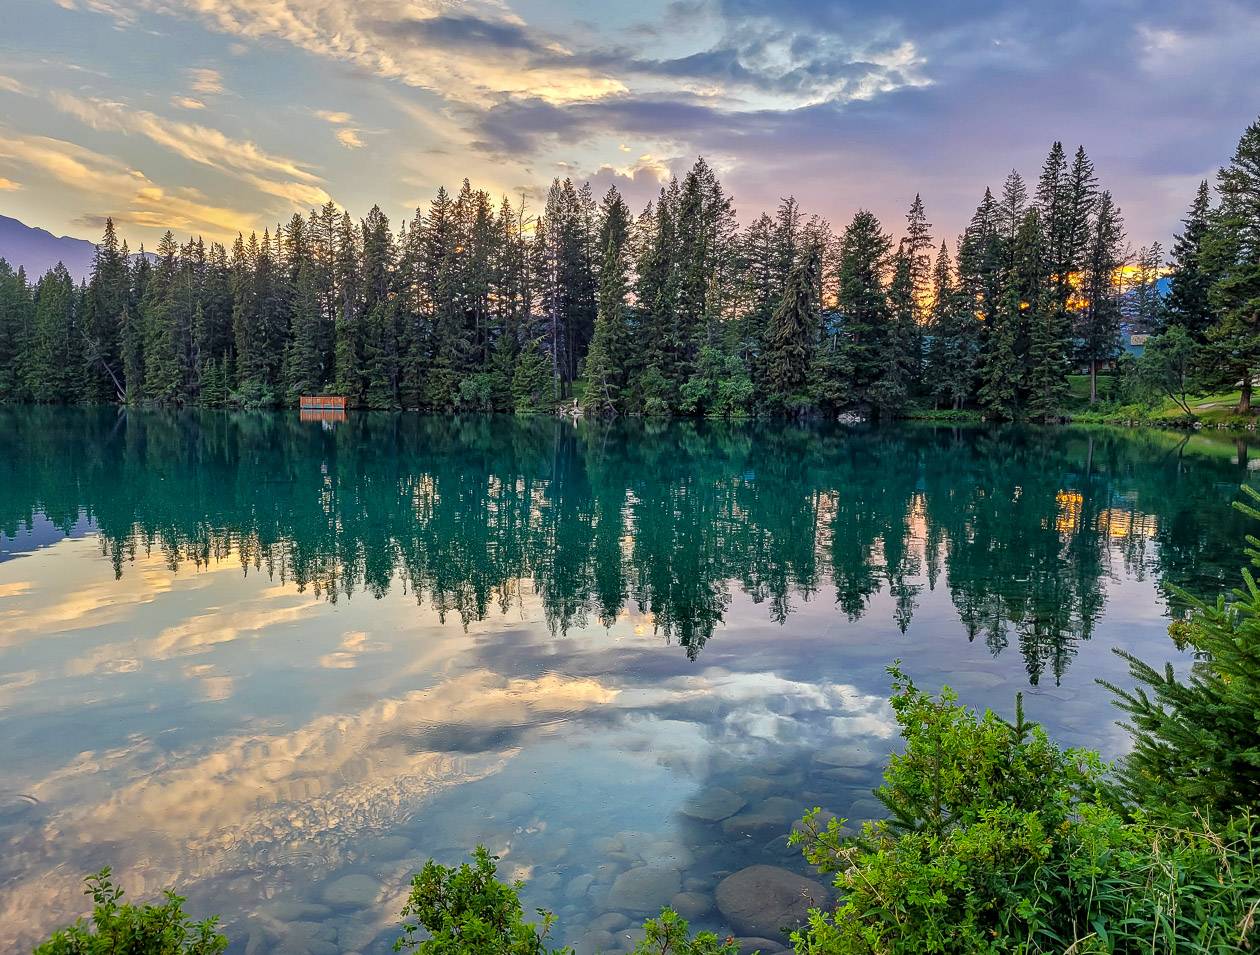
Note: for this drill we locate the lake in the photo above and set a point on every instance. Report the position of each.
(276, 664)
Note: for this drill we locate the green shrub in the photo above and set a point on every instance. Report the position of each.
(466, 910)
(1196, 743)
(125, 929)
(1002, 842)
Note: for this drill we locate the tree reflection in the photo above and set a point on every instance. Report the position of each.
(1025, 527)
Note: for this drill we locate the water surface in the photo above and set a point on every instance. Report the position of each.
(276, 664)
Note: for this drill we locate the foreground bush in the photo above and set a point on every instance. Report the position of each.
(1196, 741)
(1000, 841)
(126, 929)
(466, 910)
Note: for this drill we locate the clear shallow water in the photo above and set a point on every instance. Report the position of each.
(277, 664)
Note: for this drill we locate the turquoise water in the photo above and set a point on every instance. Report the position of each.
(276, 664)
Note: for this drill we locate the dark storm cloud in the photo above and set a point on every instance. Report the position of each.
(466, 32)
(1157, 92)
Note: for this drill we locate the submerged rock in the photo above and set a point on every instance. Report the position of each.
(713, 804)
(848, 755)
(764, 946)
(767, 901)
(691, 905)
(352, 892)
(644, 889)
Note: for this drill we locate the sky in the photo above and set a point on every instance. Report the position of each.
(217, 116)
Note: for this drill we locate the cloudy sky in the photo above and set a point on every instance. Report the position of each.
(213, 116)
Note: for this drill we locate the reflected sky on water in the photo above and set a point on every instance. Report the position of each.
(277, 664)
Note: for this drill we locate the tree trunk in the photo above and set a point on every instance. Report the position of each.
(1093, 382)
(1244, 400)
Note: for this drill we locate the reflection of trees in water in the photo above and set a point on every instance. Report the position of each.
(1025, 526)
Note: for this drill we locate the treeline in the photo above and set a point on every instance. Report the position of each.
(675, 311)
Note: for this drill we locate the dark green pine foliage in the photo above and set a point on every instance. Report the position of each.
(347, 327)
(381, 356)
(1189, 304)
(1098, 315)
(303, 361)
(1196, 749)
(681, 319)
(52, 368)
(865, 323)
(610, 353)
(17, 318)
(162, 372)
(532, 381)
(917, 248)
(952, 348)
(1066, 198)
(793, 337)
(904, 367)
(1023, 294)
(1232, 255)
(108, 291)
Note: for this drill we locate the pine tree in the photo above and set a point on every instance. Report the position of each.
(951, 354)
(531, 381)
(1189, 303)
(17, 312)
(1143, 305)
(1098, 317)
(866, 333)
(54, 345)
(1232, 256)
(904, 368)
(303, 365)
(1195, 746)
(793, 336)
(609, 358)
(108, 297)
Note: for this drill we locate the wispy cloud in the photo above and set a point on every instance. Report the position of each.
(128, 194)
(475, 56)
(9, 85)
(187, 102)
(349, 138)
(8, 185)
(205, 81)
(269, 173)
(333, 116)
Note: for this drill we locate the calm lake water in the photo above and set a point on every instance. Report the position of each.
(277, 664)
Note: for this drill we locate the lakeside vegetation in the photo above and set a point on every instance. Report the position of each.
(677, 311)
(997, 840)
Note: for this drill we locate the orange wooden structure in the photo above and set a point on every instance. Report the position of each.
(322, 403)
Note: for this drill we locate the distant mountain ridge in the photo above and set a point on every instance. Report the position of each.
(38, 250)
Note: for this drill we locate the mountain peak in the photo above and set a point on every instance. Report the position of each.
(38, 250)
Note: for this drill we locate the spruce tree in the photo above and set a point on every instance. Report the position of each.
(950, 365)
(1232, 255)
(1189, 304)
(51, 369)
(792, 339)
(1098, 316)
(303, 365)
(17, 310)
(866, 332)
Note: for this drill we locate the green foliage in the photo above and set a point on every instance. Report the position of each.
(804, 321)
(465, 910)
(532, 384)
(669, 935)
(1002, 842)
(1196, 747)
(1168, 365)
(120, 928)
